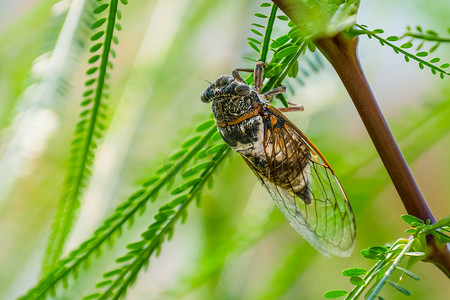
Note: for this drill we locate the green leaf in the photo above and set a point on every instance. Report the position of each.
(164, 168)
(98, 23)
(274, 71)
(99, 9)
(197, 168)
(216, 148)
(373, 254)
(91, 71)
(335, 294)
(258, 25)
(97, 35)
(293, 72)
(256, 32)
(190, 142)
(399, 288)
(259, 15)
(411, 220)
(357, 281)
(91, 296)
(103, 283)
(392, 38)
(409, 273)
(124, 258)
(354, 272)
(95, 47)
(251, 44)
(179, 200)
(185, 186)
(205, 125)
(265, 4)
(93, 59)
(150, 181)
(435, 60)
(422, 54)
(254, 41)
(283, 18)
(446, 65)
(161, 216)
(136, 245)
(289, 50)
(406, 45)
(112, 273)
(278, 42)
(178, 154)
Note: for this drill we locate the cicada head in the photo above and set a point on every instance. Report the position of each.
(225, 86)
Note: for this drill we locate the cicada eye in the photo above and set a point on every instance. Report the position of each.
(242, 90)
(203, 97)
(222, 80)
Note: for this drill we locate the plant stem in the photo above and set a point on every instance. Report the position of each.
(391, 269)
(340, 51)
(426, 37)
(265, 48)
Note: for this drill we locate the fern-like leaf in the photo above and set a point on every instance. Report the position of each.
(192, 148)
(419, 57)
(87, 133)
(39, 106)
(120, 279)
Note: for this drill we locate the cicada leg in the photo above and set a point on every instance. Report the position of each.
(237, 76)
(274, 92)
(257, 75)
(292, 107)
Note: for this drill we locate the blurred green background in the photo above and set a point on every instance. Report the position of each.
(235, 245)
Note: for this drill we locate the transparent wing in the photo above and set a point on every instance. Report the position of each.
(305, 188)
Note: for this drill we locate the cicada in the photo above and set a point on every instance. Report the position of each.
(297, 176)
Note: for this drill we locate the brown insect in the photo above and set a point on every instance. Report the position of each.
(297, 176)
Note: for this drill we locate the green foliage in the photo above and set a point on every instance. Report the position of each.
(191, 168)
(430, 35)
(119, 280)
(286, 49)
(389, 260)
(136, 204)
(88, 130)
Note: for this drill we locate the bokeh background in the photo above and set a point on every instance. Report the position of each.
(236, 245)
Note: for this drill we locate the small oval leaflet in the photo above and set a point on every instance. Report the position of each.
(335, 294)
(354, 272)
(357, 281)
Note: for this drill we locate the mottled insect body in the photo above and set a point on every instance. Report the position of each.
(295, 173)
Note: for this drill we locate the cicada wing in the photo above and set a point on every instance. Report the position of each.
(306, 190)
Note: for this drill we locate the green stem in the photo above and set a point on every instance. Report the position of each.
(425, 37)
(269, 28)
(391, 269)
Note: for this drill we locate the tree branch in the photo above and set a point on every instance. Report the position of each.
(341, 53)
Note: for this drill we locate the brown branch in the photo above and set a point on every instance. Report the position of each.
(341, 53)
